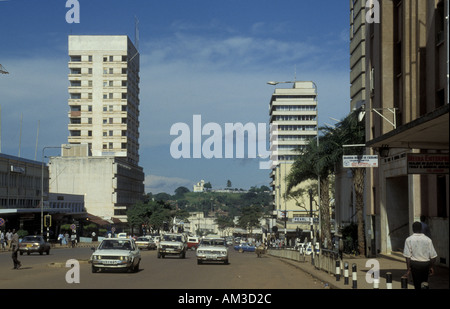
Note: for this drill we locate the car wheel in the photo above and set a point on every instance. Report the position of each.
(28, 253)
(48, 252)
(159, 255)
(226, 262)
(199, 262)
(21, 253)
(94, 269)
(136, 268)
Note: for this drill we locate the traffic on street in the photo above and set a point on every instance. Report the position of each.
(71, 268)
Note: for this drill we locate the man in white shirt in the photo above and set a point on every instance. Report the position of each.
(420, 255)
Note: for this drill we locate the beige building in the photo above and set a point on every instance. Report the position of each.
(406, 114)
(109, 184)
(293, 117)
(104, 95)
(101, 158)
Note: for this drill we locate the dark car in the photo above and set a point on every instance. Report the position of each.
(30, 244)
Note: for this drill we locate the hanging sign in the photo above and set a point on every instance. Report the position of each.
(360, 161)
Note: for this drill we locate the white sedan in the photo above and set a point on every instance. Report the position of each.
(212, 250)
(116, 253)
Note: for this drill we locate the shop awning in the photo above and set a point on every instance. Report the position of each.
(430, 131)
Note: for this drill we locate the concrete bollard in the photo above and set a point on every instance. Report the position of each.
(345, 273)
(404, 282)
(354, 277)
(338, 270)
(389, 281)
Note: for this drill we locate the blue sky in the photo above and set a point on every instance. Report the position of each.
(198, 57)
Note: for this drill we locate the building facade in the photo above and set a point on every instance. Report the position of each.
(101, 158)
(104, 95)
(294, 118)
(406, 117)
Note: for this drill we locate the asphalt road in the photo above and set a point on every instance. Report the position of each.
(245, 271)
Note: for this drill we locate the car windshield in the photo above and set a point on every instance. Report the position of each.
(172, 238)
(114, 244)
(32, 238)
(213, 242)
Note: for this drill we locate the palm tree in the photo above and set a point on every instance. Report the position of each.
(318, 160)
(351, 131)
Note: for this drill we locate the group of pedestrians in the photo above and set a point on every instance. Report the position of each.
(5, 240)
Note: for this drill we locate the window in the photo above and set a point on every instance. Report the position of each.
(75, 71)
(75, 58)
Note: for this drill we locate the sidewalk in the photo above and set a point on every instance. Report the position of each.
(388, 264)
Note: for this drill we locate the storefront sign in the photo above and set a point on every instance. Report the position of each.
(422, 163)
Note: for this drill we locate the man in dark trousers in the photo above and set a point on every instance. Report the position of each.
(420, 256)
(15, 249)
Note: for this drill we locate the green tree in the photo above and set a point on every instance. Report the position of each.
(249, 218)
(316, 162)
(351, 131)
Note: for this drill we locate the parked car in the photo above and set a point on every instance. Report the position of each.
(193, 242)
(212, 250)
(116, 253)
(30, 244)
(245, 247)
(145, 242)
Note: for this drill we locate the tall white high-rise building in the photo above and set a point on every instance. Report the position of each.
(104, 95)
(101, 158)
(294, 119)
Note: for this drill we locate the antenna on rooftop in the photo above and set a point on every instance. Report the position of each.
(136, 32)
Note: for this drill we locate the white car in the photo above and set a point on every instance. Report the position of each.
(172, 244)
(212, 250)
(116, 253)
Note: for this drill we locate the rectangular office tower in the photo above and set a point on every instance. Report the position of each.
(294, 117)
(104, 95)
(101, 158)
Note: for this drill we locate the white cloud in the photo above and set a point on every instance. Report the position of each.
(157, 184)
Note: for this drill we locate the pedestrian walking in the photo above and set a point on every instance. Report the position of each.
(60, 238)
(8, 239)
(66, 238)
(15, 249)
(420, 256)
(2, 240)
